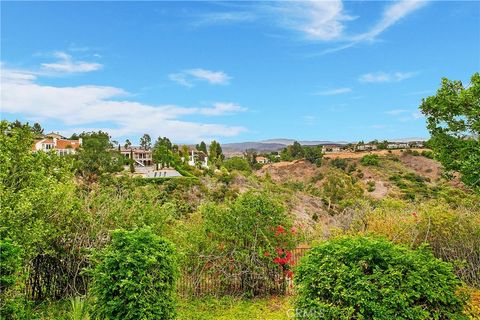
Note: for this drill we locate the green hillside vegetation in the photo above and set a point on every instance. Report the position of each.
(81, 235)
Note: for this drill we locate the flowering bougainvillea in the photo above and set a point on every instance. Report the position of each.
(283, 256)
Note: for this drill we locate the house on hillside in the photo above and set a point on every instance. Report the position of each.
(54, 135)
(141, 157)
(416, 144)
(398, 145)
(330, 148)
(62, 146)
(365, 147)
(262, 160)
(196, 156)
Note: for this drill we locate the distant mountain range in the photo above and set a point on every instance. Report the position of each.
(278, 144)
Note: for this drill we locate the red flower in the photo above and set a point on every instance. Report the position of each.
(289, 274)
(279, 251)
(266, 254)
(288, 255)
(293, 230)
(279, 231)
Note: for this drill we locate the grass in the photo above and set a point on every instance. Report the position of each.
(227, 308)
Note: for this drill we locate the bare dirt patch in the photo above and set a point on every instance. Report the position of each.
(297, 171)
(423, 166)
(357, 155)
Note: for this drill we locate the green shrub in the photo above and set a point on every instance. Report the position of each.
(237, 163)
(427, 154)
(372, 278)
(370, 160)
(317, 177)
(371, 186)
(134, 277)
(11, 302)
(339, 163)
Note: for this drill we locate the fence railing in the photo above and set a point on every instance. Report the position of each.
(258, 281)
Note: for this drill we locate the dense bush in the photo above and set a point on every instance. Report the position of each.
(372, 278)
(451, 230)
(339, 187)
(339, 163)
(10, 267)
(370, 160)
(240, 243)
(237, 163)
(134, 277)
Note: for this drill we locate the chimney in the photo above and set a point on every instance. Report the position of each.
(55, 142)
(80, 141)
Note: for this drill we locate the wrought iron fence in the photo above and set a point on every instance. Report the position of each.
(218, 281)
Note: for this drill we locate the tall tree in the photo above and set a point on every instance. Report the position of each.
(313, 154)
(97, 156)
(215, 152)
(162, 153)
(146, 142)
(453, 119)
(127, 144)
(202, 147)
(37, 128)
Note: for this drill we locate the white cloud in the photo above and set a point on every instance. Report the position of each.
(66, 64)
(333, 92)
(224, 18)
(396, 112)
(187, 77)
(390, 16)
(222, 108)
(318, 20)
(405, 114)
(381, 76)
(82, 107)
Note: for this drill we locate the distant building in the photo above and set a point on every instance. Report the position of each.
(199, 157)
(365, 147)
(330, 148)
(141, 157)
(61, 145)
(398, 145)
(53, 135)
(261, 160)
(416, 144)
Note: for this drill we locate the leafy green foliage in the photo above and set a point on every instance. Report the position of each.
(413, 185)
(339, 163)
(134, 277)
(453, 119)
(146, 142)
(370, 160)
(163, 154)
(97, 157)
(339, 187)
(79, 309)
(202, 147)
(237, 163)
(10, 279)
(372, 278)
(10, 264)
(313, 154)
(240, 241)
(215, 153)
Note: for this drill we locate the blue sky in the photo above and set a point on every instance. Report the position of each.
(236, 71)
